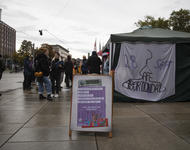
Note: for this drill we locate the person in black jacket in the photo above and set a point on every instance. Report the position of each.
(55, 75)
(28, 71)
(68, 70)
(42, 64)
(94, 63)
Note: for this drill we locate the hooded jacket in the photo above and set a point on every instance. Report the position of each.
(56, 68)
(43, 64)
(94, 63)
(28, 70)
(68, 66)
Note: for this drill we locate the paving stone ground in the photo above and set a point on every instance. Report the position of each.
(26, 123)
(11, 81)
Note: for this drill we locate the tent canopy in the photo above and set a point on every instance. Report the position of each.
(152, 35)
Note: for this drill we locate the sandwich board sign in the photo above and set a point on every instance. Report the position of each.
(91, 104)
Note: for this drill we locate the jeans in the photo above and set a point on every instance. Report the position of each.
(47, 82)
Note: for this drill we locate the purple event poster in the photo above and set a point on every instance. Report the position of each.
(91, 107)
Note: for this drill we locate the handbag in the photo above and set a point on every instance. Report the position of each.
(38, 74)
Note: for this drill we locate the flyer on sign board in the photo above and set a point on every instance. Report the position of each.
(93, 102)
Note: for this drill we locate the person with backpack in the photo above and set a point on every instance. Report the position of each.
(42, 71)
(55, 74)
(2, 67)
(84, 67)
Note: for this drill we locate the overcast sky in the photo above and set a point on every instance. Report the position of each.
(77, 23)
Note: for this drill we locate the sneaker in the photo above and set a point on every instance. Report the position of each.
(49, 98)
(41, 96)
(56, 95)
(52, 95)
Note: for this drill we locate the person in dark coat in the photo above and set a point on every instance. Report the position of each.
(94, 63)
(2, 67)
(84, 67)
(43, 65)
(68, 66)
(55, 75)
(28, 72)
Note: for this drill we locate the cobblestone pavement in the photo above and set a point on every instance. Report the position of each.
(26, 123)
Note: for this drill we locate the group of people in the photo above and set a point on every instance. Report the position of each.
(90, 65)
(49, 73)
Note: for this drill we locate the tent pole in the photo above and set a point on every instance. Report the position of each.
(110, 58)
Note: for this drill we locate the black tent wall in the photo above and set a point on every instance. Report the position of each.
(182, 82)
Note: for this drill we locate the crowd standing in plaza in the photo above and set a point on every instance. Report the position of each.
(49, 73)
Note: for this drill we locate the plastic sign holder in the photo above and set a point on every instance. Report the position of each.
(91, 108)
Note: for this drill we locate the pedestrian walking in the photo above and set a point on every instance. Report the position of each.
(2, 68)
(55, 74)
(42, 72)
(94, 63)
(84, 67)
(68, 71)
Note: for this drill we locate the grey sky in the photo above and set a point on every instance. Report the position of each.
(79, 22)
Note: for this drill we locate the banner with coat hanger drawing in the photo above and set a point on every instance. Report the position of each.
(146, 71)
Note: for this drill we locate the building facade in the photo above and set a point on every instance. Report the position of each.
(62, 51)
(7, 40)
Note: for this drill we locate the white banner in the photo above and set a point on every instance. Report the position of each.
(146, 71)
